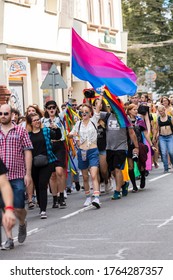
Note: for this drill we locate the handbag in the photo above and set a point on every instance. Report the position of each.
(40, 161)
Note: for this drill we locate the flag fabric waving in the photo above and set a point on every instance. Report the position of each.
(100, 67)
(116, 107)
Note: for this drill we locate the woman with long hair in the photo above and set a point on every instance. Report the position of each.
(164, 133)
(31, 109)
(85, 132)
(52, 119)
(41, 172)
(140, 129)
(164, 100)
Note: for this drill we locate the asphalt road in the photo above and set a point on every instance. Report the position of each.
(136, 227)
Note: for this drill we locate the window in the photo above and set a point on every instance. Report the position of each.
(110, 13)
(90, 18)
(100, 11)
(51, 6)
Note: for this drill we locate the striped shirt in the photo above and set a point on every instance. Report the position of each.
(12, 147)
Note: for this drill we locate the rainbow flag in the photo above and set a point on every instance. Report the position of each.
(100, 67)
(117, 107)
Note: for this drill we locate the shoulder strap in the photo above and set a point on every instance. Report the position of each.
(91, 122)
(94, 125)
(79, 126)
(106, 118)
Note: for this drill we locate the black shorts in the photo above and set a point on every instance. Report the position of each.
(60, 151)
(116, 159)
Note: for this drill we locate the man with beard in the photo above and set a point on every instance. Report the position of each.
(15, 151)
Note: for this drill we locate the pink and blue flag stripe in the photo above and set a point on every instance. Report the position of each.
(100, 67)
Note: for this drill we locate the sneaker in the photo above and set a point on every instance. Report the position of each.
(87, 202)
(9, 244)
(22, 233)
(116, 195)
(102, 188)
(125, 189)
(55, 205)
(62, 205)
(43, 215)
(96, 202)
(31, 205)
(135, 189)
(77, 186)
(68, 191)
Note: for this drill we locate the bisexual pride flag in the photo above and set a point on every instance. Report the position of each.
(100, 67)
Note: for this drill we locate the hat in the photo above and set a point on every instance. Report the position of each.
(50, 102)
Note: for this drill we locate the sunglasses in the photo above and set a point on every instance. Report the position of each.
(86, 113)
(5, 113)
(74, 105)
(51, 107)
(37, 120)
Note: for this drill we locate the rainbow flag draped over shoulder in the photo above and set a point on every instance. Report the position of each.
(117, 108)
(100, 67)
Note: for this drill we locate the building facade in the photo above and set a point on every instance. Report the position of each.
(40, 32)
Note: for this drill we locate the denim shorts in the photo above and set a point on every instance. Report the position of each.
(92, 159)
(18, 188)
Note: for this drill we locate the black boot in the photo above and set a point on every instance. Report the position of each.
(142, 184)
(55, 202)
(77, 185)
(62, 203)
(133, 180)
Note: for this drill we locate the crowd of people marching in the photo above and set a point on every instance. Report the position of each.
(39, 152)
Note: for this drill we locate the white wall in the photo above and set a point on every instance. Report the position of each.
(32, 27)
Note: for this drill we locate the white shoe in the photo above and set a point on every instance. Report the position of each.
(108, 187)
(102, 188)
(43, 215)
(87, 202)
(96, 202)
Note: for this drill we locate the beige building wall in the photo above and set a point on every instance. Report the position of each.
(41, 31)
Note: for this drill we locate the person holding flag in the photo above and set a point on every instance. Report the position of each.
(85, 132)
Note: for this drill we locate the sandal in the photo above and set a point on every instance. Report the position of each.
(30, 205)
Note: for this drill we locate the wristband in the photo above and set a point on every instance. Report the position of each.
(9, 208)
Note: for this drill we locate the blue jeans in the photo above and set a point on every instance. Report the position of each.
(166, 147)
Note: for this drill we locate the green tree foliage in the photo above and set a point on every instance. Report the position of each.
(150, 22)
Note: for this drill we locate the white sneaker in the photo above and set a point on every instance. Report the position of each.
(87, 202)
(43, 215)
(102, 188)
(108, 187)
(96, 202)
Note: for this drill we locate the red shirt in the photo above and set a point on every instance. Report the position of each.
(12, 147)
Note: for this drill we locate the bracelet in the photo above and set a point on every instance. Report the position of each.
(9, 208)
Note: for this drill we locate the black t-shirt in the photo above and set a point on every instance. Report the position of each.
(38, 142)
(101, 138)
